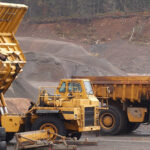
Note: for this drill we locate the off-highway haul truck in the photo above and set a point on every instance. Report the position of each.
(128, 99)
(70, 110)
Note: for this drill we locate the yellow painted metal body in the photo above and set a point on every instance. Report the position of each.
(72, 107)
(136, 114)
(12, 59)
(132, 88)
(33, 136)
(12, 122)
(125, 89)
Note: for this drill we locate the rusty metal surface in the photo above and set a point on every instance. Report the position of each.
(117, 79)
(41, 139)
(132, 88)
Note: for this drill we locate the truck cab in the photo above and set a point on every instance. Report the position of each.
(73, 89)
(73, 103)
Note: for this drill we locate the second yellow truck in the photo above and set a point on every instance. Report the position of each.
(128, 99)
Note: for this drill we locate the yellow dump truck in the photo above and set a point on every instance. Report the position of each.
(128, 99)
(69, 109)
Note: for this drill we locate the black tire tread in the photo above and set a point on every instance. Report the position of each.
(120, 120)
(52, 119)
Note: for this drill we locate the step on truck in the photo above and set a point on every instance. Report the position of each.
(128, 99)
(69, 109)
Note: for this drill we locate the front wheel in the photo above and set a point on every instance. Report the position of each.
(52, 123)
(112, 121)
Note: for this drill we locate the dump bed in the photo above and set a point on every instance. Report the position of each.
(132, 88)
(12, 59)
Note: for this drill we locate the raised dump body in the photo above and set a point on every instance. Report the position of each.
(12, 58)
(128, 99)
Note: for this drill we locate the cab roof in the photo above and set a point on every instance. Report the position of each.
(68, 80)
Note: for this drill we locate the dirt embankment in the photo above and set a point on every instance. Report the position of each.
(17, 105)
(92, 31)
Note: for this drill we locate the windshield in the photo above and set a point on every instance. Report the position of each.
(74, 87)
(63, 88)
(88, 87)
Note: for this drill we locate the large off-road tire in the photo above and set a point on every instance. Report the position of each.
(112, 121)
(52, 123)
(132, 126)
(2, 134)
(3, 145)
(9, 136)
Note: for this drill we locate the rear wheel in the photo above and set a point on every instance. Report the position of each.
(112, 121)
(52, 123)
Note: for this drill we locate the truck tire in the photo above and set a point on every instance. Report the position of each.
(3, 145)
(2, 134)
(112, 121)
(132, 126)
(9, 136)
(53, 123)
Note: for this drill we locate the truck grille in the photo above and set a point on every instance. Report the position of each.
(89, 116)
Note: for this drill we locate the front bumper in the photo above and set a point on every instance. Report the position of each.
(89, 128)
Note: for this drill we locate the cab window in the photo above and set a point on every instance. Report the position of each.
(63, 88)
(74, 87)
(88, 88)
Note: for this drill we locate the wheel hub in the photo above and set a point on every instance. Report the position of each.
(52, 128)
(107, 121)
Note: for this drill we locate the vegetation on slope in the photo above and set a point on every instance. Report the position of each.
(50, 10)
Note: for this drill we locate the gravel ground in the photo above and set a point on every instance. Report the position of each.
(138, 140)
(113, 143)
